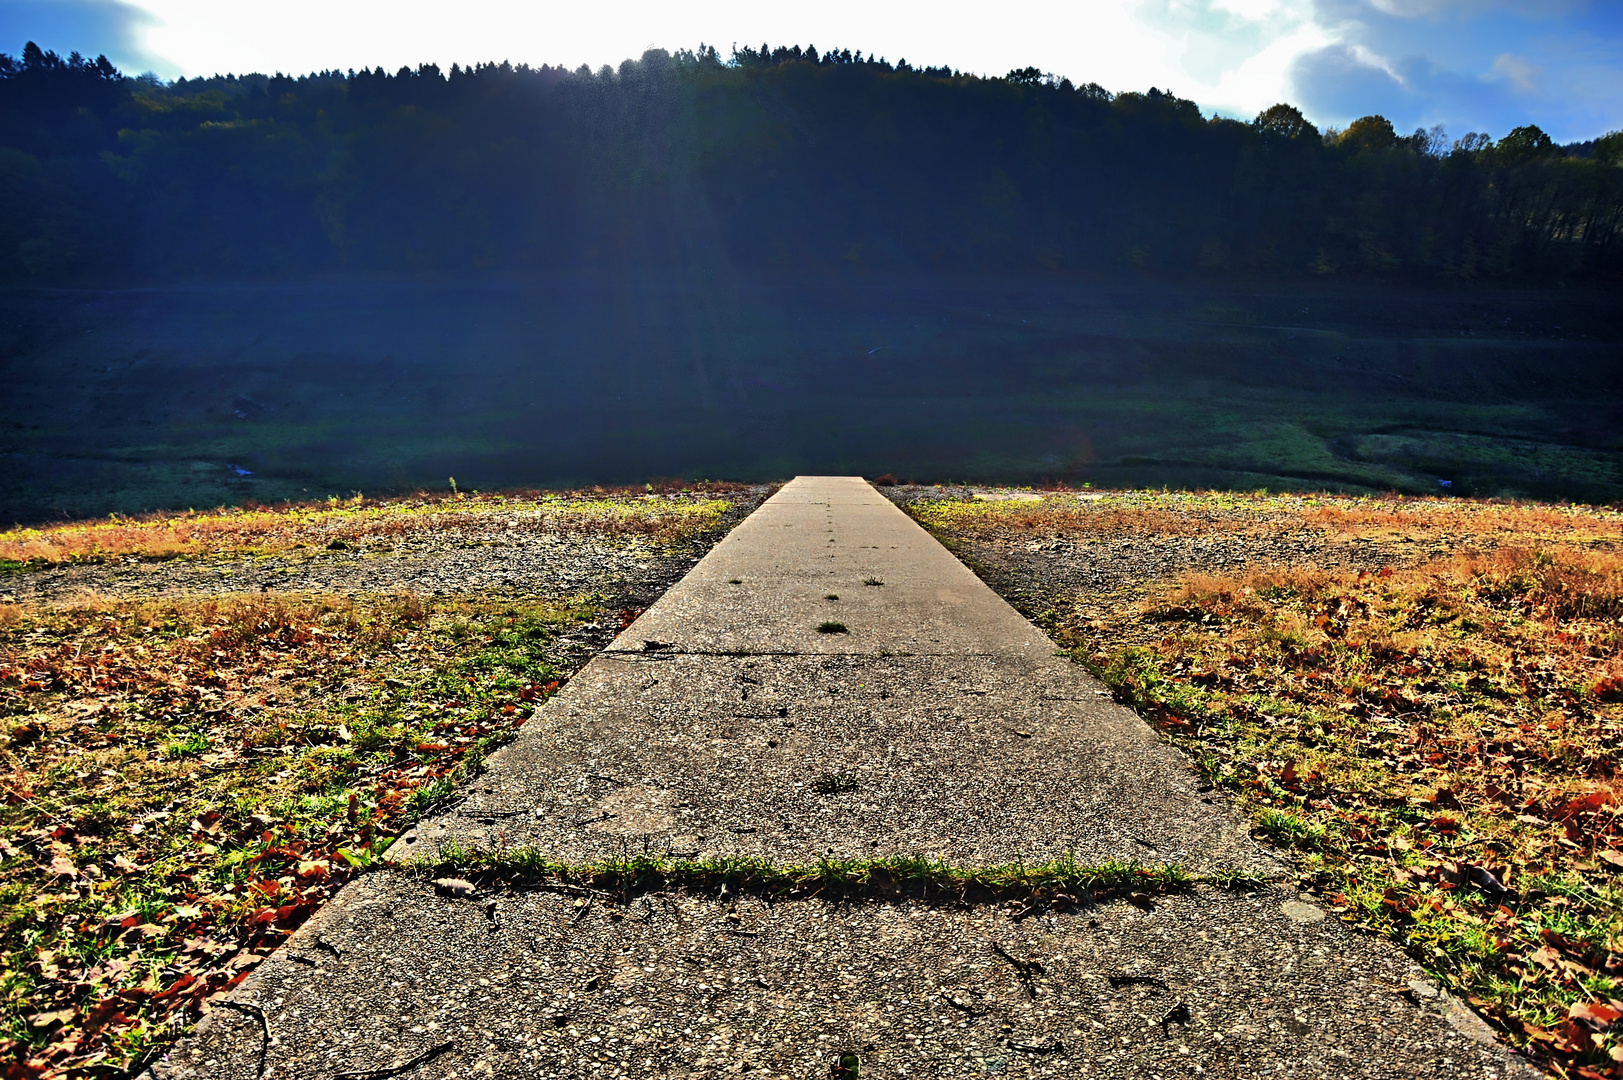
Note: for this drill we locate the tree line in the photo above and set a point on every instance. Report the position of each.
(768, 158)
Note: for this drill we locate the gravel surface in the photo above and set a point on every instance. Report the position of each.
(515, 983)
(1027, 567)
(501, 554)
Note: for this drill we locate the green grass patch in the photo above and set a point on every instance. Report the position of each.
(1059, 882)
(193, 745)
(834, 783)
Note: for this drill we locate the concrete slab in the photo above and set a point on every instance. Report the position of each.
(764, 588)
(691, 986)
(974, 759)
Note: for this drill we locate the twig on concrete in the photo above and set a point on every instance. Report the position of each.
(1023, 968)
(444, 806)
(382, 1074)
(584, 908)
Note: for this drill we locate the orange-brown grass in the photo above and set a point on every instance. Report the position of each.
(1149, 513)
(1441, 744)
(1487, 522)
(183, 782)
(253, 529)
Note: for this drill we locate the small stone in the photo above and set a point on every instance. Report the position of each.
(454, 887)
(1423, 989)
(1297, 911)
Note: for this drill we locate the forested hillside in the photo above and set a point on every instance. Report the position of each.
(772, 158)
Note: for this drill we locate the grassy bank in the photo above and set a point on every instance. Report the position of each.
(187, 781)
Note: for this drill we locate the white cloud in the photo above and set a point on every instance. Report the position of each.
(1264, 78)
(1516, 70)
(1249, 9)
(1411, 9)
(1367, 57)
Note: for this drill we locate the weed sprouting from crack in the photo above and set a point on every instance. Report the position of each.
(834, 783)
(1059, 884)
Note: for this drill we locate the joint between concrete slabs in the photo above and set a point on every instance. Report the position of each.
(657, 654)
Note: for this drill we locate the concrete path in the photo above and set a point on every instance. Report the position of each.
(938, 721)
(944, 718)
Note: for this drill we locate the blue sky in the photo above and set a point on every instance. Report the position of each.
(1470, 65)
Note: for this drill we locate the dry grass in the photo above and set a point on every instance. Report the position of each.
(261, 530)
(1441, 744)
(1113, 514)
(1060, 514)
(1486, 522)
